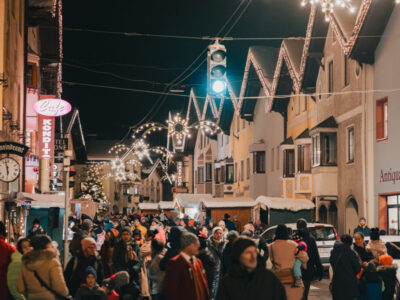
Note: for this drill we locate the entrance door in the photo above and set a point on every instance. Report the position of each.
(351, 213)
(332, 214)
(323, 214)
(264, 216)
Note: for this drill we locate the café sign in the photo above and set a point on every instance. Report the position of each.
(52, 107)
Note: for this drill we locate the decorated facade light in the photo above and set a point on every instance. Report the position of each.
(328, 6)
(140, 149)
(118, 149)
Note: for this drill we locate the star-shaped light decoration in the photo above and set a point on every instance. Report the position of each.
(140, 149)
(329, 6)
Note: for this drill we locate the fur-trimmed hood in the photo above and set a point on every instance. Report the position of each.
(35, 259)
(392, 267)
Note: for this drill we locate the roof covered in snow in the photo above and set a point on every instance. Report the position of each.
(228, 202)
(149, 205)
(285, 203)
(44, 200)
(191, 200)
(167, 204)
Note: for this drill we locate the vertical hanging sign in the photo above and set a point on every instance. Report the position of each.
(179, 181)
(46, 136)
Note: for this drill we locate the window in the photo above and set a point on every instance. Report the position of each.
(259, 162)
(346, 71)
(230, 174)
(222, 178)
(236, 171)
(248, 168)
(272, 158)
(288, 163)
(241, 170)
(31, 75)
(200, 175)
(277, 157)
(298, 102)
(305, 106)
(350, 144)
(208, 172)
(330, 79)
(201, 141)
(324, 149)
(393, 207)
(382, 119)
(217, 175)
(304, 158)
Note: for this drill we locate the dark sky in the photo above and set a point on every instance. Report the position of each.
(109, 113)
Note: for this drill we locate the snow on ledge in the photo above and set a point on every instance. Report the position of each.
(285, 203)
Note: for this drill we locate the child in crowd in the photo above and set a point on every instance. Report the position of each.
(371, 284)
(90, 289)
(387, 270)
(298, 281)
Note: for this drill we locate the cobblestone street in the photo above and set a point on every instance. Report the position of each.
(320, 290)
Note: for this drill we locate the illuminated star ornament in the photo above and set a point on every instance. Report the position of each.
(329, 6)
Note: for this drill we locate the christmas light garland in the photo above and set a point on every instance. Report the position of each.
(328, 6)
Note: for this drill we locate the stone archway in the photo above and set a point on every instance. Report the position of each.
(323, 214)
(351, 215)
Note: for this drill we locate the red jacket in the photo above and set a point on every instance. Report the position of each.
(5, 258)
(180, 280)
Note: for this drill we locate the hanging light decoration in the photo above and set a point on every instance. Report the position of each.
(177, 127)
(120, 172)
(140, 149)
(329, 6)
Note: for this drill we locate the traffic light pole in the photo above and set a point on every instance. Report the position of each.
(67, 155)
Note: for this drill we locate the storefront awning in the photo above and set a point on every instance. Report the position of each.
(228, 202)
(191, 200)
(44, 200)
(149, 206)
(285, 203)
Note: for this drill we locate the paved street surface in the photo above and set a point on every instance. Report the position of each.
(320, 290)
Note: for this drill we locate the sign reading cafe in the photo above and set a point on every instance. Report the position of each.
(389, 176)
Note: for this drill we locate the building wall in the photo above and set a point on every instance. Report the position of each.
(386, 155)
(240, 139)
(268, 130)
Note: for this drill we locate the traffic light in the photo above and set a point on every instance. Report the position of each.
(216, 69)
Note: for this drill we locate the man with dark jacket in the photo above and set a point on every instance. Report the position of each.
(227, 252)
(228, 223)
(208, 261)
(173, 246)
(248, 278)
(362, 227)
(74, 274)
(216, 244)
(314, 266)
(127, 257)
(79, 235)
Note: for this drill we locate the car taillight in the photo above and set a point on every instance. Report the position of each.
(334, 230)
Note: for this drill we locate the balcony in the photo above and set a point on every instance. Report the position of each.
(303, 183)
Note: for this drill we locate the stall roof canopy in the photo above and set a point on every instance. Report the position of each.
(228, 202)
(44, 200)
(191, 200)
(149, 206)
(285, 203)
(167, 204)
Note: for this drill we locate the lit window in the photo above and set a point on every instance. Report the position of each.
(382, 119)
(350, 144)
(230, 173)
(330, 79)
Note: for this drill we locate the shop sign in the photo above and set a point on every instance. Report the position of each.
(52, 107)
(13, 148)
(46, 136)
(389, 176)
(180, 170)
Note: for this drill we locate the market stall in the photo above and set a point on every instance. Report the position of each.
(149, 208)
(191, 205)
(170, 208)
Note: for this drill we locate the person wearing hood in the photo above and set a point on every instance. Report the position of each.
(41, 275)
(77, 265)
(216, 244)
(228, 223)
(345, 265)
(90, 290)
(173, 246)
(127, 257)
(227, 252)
(362, 227)
(36, 229)
(371, 284)
(6, 251)
(81, 233)
(23, 247)
(248, 278)
(207, 259)
(387, 270)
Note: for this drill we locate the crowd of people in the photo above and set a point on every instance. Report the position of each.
(170, 258)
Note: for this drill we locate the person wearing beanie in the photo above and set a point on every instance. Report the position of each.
(362, 227)
(6, 251)
(247, 277)
(36, 229)
(107, 250)
(41, 262)
(227, 252)
(375, 245)
(173, 246)
(75, 271)
(127, 257)
(90, 289)
(371, 284)
(387, 270)
(185, 276)
(82, 232)
(216, 244)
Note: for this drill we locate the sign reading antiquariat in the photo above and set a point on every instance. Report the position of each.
(389, 176)
(13, 148)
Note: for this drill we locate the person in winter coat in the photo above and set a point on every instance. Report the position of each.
(314, 267)
(145, 251)
(228, 223)
(227, 252)
(77, 265)
(216, 244)
(127, 257)
(156, 276)
(185, 276)
(371, 284)
(210, 226)
(248, 278)
(79, 235)
(207, 259)
(90, 290)
(42, 263)
(345, 265)
(6, 251)
(362, 227)
(375, 245)
(360, 247)
(107, 250)
(140, 226)
(173, 247)
(283, 253)
(14, 268)
(387, 270)
(36, 229)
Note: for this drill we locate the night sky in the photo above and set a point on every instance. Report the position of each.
(109, 113)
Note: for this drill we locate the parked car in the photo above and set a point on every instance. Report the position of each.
(325, 235)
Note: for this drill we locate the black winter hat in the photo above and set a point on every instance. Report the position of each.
(90, 270)
(301, 224)
(40, 241)
(241, 244)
